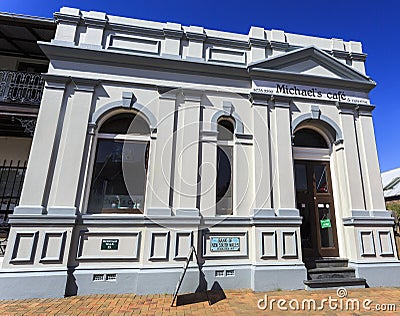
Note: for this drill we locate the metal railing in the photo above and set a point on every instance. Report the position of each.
(11, 180)
(21, 87)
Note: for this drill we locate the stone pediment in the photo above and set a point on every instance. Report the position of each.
(308, 61)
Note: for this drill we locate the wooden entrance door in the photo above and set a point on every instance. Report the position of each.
(315, 201)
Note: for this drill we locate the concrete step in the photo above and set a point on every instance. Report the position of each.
(331, 273)
(335, 283)
(331, 262)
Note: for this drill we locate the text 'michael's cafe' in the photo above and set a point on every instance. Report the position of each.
(257, 149)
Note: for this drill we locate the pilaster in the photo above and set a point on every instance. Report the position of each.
(369, 159)
(351, 184)
(67, 171)
(262, 154)
(186, 150)
(44, 141)
(161, 150)
(282, 158)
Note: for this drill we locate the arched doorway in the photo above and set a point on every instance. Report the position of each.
(314, 192)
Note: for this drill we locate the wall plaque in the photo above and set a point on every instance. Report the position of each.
(225, 244)
(109, 244)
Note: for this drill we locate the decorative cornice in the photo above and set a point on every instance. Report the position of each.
(193, 36)
(66, 18)
(358, 56)
(228, 42)
(173, 33)
(279, 45)
(143, 31)
(259, 42)
(94, 22)
(339, 54)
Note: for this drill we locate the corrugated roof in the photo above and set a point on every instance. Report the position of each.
(391, 183)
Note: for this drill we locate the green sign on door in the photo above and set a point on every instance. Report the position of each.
(325, 223)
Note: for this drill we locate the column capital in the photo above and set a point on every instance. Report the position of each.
(259, 98)
(365, 110)
(56, 81)
(85, 84)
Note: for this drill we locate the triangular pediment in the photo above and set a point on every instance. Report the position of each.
(309, 61)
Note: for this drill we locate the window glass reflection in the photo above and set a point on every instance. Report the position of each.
(301, 178)
(325, 233)
(109, 193)
(224, 180)
(320, 179)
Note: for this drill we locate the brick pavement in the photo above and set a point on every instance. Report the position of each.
(242, 302)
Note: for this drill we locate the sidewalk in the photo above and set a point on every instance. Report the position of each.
(243, 302)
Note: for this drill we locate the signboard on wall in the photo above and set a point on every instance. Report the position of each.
(309, 92)
(225, 244)
(109, 244)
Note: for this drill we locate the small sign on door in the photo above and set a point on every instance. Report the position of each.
(326, 223)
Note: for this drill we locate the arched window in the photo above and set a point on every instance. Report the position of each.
(307, 137)
(122, 148)
(224, 196)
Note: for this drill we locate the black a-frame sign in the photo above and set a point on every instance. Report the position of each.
(178, 286)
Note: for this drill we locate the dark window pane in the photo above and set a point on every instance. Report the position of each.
(301, 178)
(305, 229)
(321, 185)
(225, 129)
(326, 233)
(122, 124)
(224, 180)
(309, 138)
(109, 192)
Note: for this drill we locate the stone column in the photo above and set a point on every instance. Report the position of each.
(351, 184)
(369, 159)
(282, 158)
(262, 159)
(44, 140)
(67, 171)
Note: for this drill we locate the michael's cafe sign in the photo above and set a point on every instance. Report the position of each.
(299, 91)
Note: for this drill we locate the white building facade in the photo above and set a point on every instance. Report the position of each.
(257, 149)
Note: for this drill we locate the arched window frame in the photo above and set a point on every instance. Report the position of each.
(314, 153)
(226, 146)
(98, 136)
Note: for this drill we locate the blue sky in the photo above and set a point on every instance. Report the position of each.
(375, 24)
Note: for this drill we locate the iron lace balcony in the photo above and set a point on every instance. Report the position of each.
(21, 87)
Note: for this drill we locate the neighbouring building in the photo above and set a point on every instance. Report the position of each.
(21, 86)
(391, 185)
(257, 149)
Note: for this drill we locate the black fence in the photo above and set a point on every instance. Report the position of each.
(21, 87)
(11, 180)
